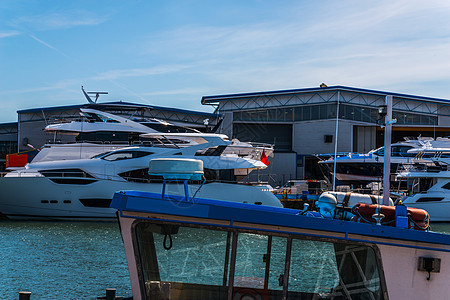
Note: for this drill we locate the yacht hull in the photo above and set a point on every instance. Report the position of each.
(439, 210)
(359, 172)
(43, 198)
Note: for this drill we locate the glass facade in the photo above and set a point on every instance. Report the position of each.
(279, 135)
(328, 111)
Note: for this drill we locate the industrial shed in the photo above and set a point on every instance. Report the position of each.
(302, 122)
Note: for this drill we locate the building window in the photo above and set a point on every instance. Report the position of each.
(328, 111)
(278, 134)
(306, 113)
(298, 113)
(405, 118)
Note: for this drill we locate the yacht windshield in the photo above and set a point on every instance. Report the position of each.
(396, 151)
(169, 128)
(128, 154)
(379, 152)
(95, 117)
(100, 155)
(402, 151)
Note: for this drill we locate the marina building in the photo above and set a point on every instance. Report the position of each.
(302, 122)
(8, 139)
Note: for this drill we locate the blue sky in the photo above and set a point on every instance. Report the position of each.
(171, 53)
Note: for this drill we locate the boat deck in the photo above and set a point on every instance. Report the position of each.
(146, 205)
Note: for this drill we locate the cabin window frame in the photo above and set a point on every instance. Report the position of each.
(230, 266)
(66, 173)
(126, 155)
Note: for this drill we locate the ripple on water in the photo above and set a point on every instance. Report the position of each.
(62, 260)
(68, 260)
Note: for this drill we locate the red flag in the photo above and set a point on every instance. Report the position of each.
(264, 158)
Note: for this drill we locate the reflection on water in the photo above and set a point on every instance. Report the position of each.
(62, 260)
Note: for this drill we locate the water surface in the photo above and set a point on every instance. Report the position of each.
(68, 260)
(62, 260)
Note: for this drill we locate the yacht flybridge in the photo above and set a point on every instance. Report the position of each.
(83, 188)
(100, 131)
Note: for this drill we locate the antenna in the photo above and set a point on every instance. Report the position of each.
(97, 94)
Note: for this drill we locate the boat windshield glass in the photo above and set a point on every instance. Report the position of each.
(396, 151)
(100, 154)
(119, 155)
(402, 151)
(102, 118)
(201, 263)
(169, 128)
(379, 151)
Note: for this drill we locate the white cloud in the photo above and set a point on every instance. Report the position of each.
(140, 72)
(5, 34)
(60, 20)
(184, 91)
(359, 44)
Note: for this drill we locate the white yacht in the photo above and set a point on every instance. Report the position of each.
(83, 188)
(429, 184)
(354, 168)
(99, 131)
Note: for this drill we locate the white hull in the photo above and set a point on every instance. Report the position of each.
(435, 200)
(41, 198)
(439, 211)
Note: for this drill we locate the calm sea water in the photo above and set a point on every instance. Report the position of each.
(67, 260)
(62, 260)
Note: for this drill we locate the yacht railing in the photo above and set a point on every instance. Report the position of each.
(261, 145)
(330, 156)
(157, 180)
(49, 173)
(118, 143)
(21, 174)
(59, 142)
(82, 174)
(245, 181)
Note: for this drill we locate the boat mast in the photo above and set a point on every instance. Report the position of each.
(387, 149)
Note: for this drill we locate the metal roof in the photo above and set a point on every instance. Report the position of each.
(212, 100)
(118, 104)
(10, 124)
